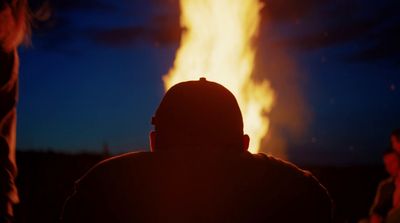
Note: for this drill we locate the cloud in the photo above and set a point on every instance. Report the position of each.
(68, 5)
(290, 10)
(331, 36)
(385, 45)
(108, 23)
(162, 30)
(373, 28)
(338, 25)
(299, 25)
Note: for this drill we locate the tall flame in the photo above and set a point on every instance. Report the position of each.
(217, 44)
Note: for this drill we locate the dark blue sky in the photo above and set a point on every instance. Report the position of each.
(93, 75)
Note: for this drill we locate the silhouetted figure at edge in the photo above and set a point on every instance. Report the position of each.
(199, 170)
(14, 30)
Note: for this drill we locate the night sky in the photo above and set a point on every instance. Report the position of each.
(93, 76)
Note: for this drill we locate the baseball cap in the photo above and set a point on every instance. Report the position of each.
(198, 113)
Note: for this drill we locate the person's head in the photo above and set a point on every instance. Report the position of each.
(395, 140)
(14, 23)
(198, 115)
(392, 162)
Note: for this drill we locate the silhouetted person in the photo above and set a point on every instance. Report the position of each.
(383, 202)
(13, 29)
(199, 170)
(394, 214)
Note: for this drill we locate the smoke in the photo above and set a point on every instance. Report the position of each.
(290, 115)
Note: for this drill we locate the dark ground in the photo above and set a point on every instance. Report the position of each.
(46, 179)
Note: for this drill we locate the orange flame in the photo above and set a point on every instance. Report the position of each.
(217, 43)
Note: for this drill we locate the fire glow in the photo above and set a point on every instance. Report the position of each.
(217, 43)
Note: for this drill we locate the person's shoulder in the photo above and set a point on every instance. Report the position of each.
(284, 168)
(123, 159)
(300, 189)
(288, 174)
(102, 184)
(115, 167)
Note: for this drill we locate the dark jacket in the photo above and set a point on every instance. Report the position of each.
(383, 202)
(197, 187)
